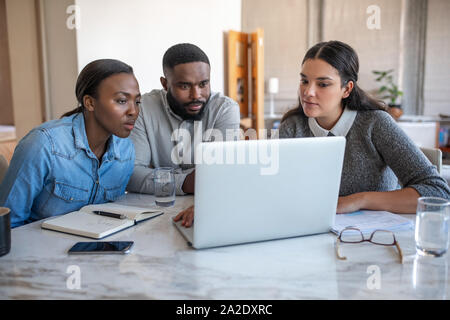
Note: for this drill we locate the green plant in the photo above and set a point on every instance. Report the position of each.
(388, 90)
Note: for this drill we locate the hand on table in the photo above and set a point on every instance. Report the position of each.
(186, 216)
(350, 203)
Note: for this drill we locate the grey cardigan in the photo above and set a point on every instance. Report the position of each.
(378, 155)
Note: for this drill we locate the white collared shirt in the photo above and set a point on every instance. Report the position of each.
(341, 128)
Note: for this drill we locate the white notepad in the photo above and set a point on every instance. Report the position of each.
(85, 223)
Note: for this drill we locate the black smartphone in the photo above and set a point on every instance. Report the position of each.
(101, 247)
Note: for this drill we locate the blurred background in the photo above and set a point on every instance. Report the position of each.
(45, 43)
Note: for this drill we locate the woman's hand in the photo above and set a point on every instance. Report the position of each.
(351, 203)
(187, 217)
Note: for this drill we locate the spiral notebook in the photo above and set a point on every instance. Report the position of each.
(85, 223)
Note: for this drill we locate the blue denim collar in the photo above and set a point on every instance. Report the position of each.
(81, 141)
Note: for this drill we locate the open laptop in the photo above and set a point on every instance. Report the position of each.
(256, 190)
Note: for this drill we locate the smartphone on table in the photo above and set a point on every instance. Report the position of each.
(102, 247)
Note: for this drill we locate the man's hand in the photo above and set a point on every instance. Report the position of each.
(186, 216)
(189, 183)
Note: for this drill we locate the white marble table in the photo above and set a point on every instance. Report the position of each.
(162, 266)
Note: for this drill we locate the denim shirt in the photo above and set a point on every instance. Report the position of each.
(53, 171)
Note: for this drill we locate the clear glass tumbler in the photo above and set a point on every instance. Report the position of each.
(432, 226)
(164, 181)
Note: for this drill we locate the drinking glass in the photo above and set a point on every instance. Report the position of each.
(432, 220)
(164, 181)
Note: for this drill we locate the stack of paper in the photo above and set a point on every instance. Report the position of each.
(369, 221)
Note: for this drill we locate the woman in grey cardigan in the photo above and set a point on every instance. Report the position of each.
(378, 153)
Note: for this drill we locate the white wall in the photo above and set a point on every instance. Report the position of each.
(285, 26)
(25, 66)
(60, 53)
(377, 49)
(286, 29)
(138, 32)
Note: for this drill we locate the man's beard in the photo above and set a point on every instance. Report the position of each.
(180, 109)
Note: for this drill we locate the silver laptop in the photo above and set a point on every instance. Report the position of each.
(257, 190)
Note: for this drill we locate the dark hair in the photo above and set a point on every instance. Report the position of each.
(92, 75)
(183, 53)
(344, 59)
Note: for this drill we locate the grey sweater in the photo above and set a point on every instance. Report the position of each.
(378, 155)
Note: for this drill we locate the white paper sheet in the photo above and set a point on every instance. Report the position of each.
(368, 221)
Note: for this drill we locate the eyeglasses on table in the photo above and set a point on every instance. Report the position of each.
(378, 237)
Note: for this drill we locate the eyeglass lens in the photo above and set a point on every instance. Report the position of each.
(382, 237)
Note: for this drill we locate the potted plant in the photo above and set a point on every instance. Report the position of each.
(389, 92)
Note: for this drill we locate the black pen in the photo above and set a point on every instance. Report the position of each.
(110, 214)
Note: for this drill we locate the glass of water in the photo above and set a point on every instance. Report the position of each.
(432, 222)
(164, 181)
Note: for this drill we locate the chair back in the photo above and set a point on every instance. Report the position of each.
(435, 157)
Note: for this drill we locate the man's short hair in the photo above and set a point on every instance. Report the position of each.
(183, 53)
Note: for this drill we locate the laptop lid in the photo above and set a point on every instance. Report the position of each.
(256, 190)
